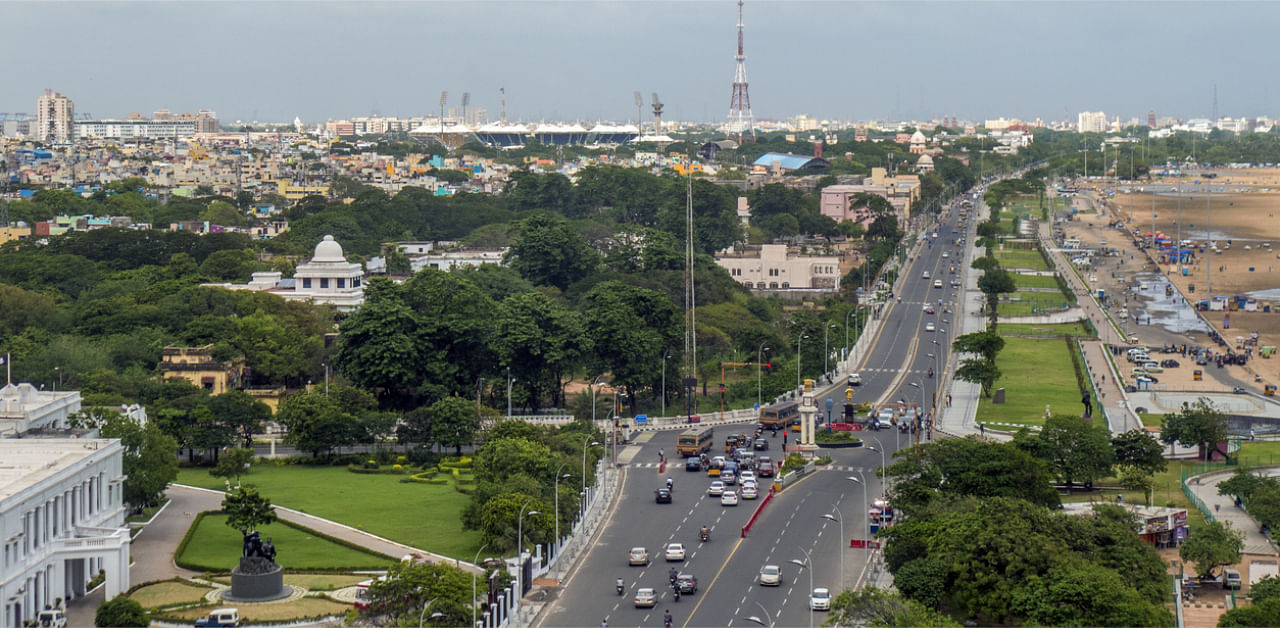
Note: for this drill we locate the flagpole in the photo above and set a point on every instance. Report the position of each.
(8, 369)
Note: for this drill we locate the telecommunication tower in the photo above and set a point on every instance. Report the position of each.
(740, 118)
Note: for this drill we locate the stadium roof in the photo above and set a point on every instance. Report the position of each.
(787, 161)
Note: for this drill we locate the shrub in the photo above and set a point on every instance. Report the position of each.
(121, 611)
(397, 467)
(371, 464)
(402, 460)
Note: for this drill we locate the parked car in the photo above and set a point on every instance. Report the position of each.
(1170, 364)
(638, 556)
(52, 618)
(662, 496)
(646, 598)
(1152, 367)
(220, 618)
(771, 576)
(1231, 579)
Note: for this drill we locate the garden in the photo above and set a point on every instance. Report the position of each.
(1035, 373)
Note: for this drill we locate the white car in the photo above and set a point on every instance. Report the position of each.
(638, 556)
(674, 551)
(749, 491)
(646, 598)
(716, 488)
(771, 576)
(747, 476)
(930, 327)
(945, 255)
(729, 498)
(820, 599)
(937, 283)
(926, 275)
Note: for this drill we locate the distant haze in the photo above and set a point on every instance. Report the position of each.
(584, 60)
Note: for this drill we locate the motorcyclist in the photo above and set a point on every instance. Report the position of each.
(931, 372)
(666, 619)
(705, 532)
(670, 484)
(621, 586)
(671, 575)
(675, 591)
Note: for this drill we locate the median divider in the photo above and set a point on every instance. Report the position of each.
(756, 515)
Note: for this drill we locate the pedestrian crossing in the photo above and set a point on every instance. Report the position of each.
(843, 468)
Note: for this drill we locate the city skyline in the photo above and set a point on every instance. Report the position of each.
(583, 61)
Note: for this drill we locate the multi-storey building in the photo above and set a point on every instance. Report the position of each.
(772, 267)
(55, 117)
(61, 521)
(1091, 122)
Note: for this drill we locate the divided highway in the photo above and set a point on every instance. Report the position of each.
(727, 566)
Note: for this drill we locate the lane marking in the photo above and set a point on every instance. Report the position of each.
(707, 591)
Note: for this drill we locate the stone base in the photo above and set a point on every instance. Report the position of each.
(259, 587)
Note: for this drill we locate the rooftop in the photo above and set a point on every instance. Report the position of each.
(25, 462)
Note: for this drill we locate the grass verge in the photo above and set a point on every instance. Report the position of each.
(214, 546)
(1076, 329)
(1021, 258)
(422, 515)
(302, 608)
(168, 593)
(1035, 373)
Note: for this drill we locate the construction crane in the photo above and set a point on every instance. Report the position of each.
(657, 115)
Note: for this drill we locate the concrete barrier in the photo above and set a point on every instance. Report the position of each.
(756, 515)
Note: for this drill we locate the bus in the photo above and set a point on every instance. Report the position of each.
(779, 415)
(694, 442)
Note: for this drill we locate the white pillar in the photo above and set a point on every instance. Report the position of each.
(807, 412)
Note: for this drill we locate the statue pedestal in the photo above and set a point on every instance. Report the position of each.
(257, 579)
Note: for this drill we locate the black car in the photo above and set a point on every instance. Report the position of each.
(693, 463)
(1169, 364)
(662, 496)
(760, 444)
(687, 582)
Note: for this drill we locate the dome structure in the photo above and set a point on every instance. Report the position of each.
(328, 250)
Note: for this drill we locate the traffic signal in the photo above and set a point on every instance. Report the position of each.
(768, 368)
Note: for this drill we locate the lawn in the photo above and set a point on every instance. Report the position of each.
(1032, 303)
(168, 593)
(1076, 329)
(274, 613)
(422, 515)
(312, 581)
(215, 546)
(1034, 281)
(1021, 258)
(1035, 373)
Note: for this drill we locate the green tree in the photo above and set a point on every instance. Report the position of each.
(882, 608)
(315, 423)
(121, 611)
(149, 460)
(501, 521)
(626, 327)
(984, 343)
(1073, 449)
(275, 349)
(1212, 545)
(232, 464)
(993, 283)
(379, 346)
(968, 467)
(241, 412)
(1199, 424)
(1260, 614)
(246, 509)
(979, 371)
(400, 598)
(454, 422)
(1079, 594)
(1140, 450)
(549, 252)
(541, 340)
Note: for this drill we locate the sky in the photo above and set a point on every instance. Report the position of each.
(583, 61)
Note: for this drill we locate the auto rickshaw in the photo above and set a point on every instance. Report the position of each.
(1269, 390)
(1198, 375)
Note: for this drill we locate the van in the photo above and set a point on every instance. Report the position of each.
(1231, 579)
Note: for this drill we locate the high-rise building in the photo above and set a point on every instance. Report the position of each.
(55, 117)
(1091, 122)
(1151, 118)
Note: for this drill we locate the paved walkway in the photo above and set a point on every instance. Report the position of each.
(957, 419)
(1224, 509)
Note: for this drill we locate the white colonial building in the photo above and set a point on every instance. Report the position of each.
(327, 279)
(772, 267)
(24, 407)
(62, 520)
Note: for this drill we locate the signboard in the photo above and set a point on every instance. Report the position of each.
(1157, 524)
(642, 418)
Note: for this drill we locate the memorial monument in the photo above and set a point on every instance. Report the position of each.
(257, 578)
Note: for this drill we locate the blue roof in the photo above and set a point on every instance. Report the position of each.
(788, 161)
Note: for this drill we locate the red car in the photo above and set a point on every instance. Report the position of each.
(764, 467)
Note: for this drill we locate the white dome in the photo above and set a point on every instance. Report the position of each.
(328, 251)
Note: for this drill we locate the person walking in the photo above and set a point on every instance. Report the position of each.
(661, 456)
(982, 429)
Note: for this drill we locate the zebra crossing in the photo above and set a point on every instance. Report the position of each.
(843, 468)
(886, 370)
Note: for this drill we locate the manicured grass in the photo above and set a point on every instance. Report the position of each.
(1035, 372)
(1076, 329)
(1021, 258)
(422, 515)
(276, 612)
(168, 593)
(323, 582)
(1034, 281)
(1151, 418)
(214, 544)
(147, 513)
(1032, 303)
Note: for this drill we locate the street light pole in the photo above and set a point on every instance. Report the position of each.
(826, 348)
(557, 490)
(759, 360)
(798, 339)
(866, 514)
(520, 546)
(665, 355)
(508, 392)
(807, 564)
(586, 444)
(424, 612)
(840, 520)
(474, 579)
(593, 399)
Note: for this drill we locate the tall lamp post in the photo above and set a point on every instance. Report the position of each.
(593, 399)
(826, 347)
(759, 360)
(585, 445)
(798, 339)
(557, 489)
(846, 331)
(475, 561)
(665, 354)
(509, 380)
(866, 514)
(807, 565)
(520, 544)
(761, 622)
(840, 520)
(422, 615)
(883, 466)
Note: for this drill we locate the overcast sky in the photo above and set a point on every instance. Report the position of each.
(583, 60)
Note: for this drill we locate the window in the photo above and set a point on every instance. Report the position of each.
(342, 283)
(355, 282)
(306, 284)
(786, 285)
(773, 284)
(324, 283)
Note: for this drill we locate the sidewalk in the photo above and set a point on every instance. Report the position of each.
(958, 418)
(1224, 509)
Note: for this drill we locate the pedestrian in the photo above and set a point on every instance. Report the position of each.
(661, 455)
(948, 400)
(1251, 434)
(982, 429)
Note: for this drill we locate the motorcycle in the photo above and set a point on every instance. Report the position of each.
(672, 577)
(705, 536)
(675, 594)
(621, 589)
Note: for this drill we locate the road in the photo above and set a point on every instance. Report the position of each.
(895, 367)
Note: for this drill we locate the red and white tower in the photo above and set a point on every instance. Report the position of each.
(740, 118)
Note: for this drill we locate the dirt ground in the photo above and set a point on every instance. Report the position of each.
(1244, 204)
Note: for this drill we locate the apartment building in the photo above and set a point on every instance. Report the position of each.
(55, 117)
(773, 267)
